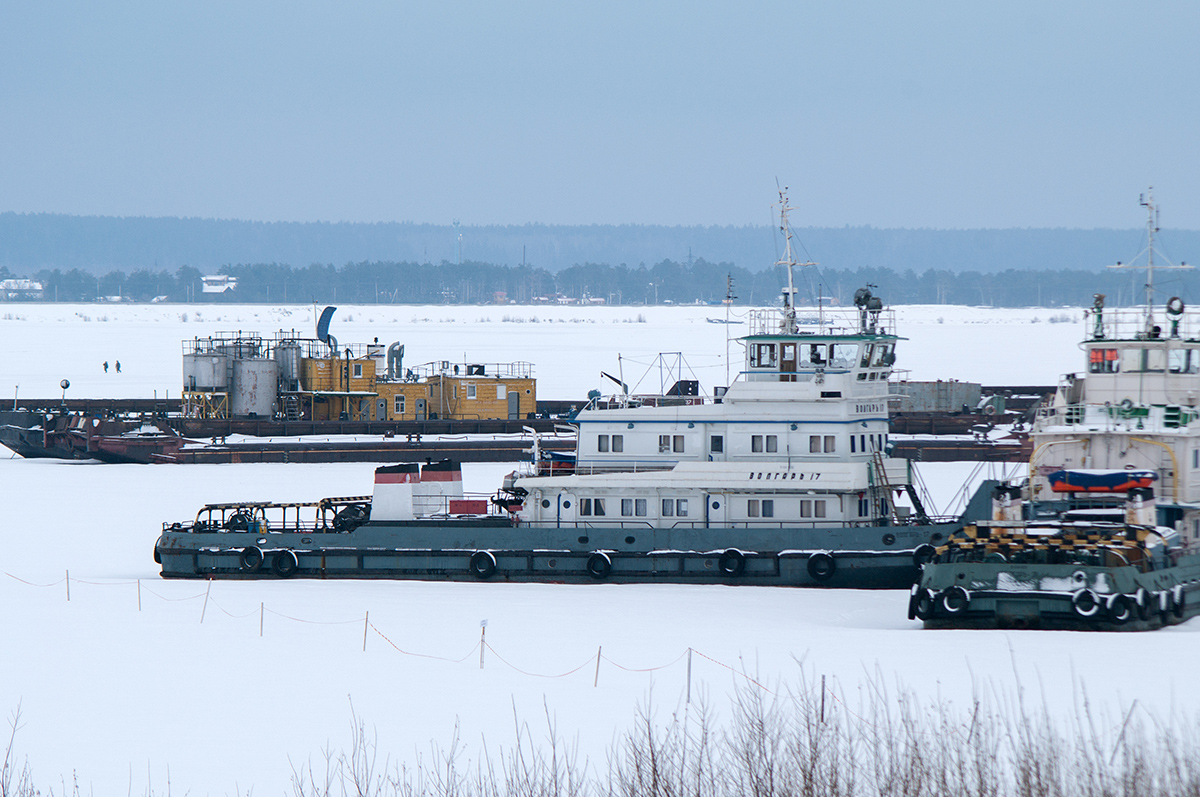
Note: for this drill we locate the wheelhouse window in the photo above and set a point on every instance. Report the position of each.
(1183, 361)
(813, 355)
(1103, 361)
(843, 355)
(763, 355)
(882, 356)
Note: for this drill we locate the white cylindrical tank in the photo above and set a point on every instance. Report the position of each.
(255, 387)
(287, 354)
(205, 371)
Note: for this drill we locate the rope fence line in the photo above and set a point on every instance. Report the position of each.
(478, 648)
(512, 666)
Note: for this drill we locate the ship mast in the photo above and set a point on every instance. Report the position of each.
(789, 260)
(1147, 201)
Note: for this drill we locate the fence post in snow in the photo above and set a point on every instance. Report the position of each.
(596, 680)
(482, 640)
(689, 677)
(139, 583)
(822, 699)
(207, 590)
(68, 585)
(366, 622)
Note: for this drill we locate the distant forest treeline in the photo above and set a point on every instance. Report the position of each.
(96, 245)
(666, 282)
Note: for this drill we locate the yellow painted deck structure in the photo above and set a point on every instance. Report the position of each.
(304, 379)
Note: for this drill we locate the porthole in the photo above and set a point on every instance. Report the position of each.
(629, 540)
(306, 540)
(545, 503)
(716, 504)
(566, 504)
(708, 563)
(889, 539)
(553, 563)
(583, 540)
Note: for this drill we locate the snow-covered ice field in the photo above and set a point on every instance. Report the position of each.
(120, 695)
(568, 346)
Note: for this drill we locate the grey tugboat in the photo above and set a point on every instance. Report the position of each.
(1102, 535)
(783, 478)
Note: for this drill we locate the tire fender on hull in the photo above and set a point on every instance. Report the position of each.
(822, 566)
(285, 564)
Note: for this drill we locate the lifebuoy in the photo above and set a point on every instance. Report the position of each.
(1085, 603)
(1126, 404)
(598, 565)
(822, 566)
(1175, 305)
(483, 564)
(954, 599)
(923, 554)
(285, 564)
(251, 558)
(925, 604)
(732, 562)
(1120, 609)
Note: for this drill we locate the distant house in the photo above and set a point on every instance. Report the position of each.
(218, 283)
(21, 290)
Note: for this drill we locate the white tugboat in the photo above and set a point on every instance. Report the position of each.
(1107, 536)
(784, 478)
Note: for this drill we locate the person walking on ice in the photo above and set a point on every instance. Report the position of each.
(118, 366)
(106, 366)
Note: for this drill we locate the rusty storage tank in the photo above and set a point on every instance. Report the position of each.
(206, 370)
(287, 354)
(255, 388)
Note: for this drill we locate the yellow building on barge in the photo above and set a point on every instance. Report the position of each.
(242, 375)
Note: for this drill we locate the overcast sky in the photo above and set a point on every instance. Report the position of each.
(899, 114)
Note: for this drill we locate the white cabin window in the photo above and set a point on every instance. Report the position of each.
(772, 444)
(812, 508)
(471, 390)
(1182, 361)
(1196, 458)
(677, 444)
(585, 506)
(813, 355)
(664, 444)
(1103, 361)
(501, 392)
(668, 507)
(618, 443)
(639, 507)
(814, 444)
(768, 507)
(752, 507)
(681, 507)
(602, 443)
(843, 355)
(716, 444)
(756, 443)
(852, 446)
(762, 355)
(398, 406)
(358, 370)
(591, 506)
(626, 507)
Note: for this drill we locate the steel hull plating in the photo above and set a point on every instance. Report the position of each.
(1120, 599)
(487, 549)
